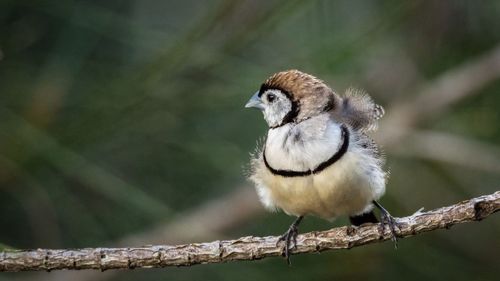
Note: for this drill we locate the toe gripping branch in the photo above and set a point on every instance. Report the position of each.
(389, 220)
(290, 236)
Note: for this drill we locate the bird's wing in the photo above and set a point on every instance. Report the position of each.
(359, 111)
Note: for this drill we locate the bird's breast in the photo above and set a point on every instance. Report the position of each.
(302, 147)
(344, 188)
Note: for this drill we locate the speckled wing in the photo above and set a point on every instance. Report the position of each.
(359, 110)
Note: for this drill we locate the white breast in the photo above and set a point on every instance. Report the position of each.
(347, 187)
(303, 146)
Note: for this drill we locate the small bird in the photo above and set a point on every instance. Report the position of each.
(317, 158)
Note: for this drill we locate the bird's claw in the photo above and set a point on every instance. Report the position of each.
(288, 237)
(389, 220)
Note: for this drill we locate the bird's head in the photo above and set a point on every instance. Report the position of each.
(292, 96)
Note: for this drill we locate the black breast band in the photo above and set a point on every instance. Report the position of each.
(335, 157)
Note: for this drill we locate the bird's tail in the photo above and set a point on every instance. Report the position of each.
(363, 218)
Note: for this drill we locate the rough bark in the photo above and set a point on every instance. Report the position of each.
(245, 248)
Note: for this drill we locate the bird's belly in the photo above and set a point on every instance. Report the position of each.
(344, 188)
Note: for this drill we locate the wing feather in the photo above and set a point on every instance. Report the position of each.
(360, 111)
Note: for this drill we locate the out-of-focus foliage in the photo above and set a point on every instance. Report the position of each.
(118, 115)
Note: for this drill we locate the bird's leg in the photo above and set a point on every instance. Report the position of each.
(289, 236)
(389, 220)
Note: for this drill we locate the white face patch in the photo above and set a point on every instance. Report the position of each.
(276, 106)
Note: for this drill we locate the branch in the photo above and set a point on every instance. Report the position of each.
(245, 248)
(449, 148)
(437, 96)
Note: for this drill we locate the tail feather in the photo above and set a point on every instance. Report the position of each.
(363, 218)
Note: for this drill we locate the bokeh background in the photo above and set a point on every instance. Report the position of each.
(122, 124)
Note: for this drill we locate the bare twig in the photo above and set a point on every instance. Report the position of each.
(208, 221)
(450, 148)
(436, 97)
(245, 248)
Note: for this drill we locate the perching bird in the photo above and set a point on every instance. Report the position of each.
(317, 159)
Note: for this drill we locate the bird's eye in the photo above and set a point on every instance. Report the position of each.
(271, 97)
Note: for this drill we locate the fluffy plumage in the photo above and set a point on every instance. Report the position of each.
(348, 186)
(317, 159)
(359, 110)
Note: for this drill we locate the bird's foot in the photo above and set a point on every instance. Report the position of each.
(389, 220)
(289, 237)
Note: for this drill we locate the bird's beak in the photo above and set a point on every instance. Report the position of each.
(255, 102)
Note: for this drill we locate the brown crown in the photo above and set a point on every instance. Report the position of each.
(296, 83)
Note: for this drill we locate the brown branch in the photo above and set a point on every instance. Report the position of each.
(245, 248)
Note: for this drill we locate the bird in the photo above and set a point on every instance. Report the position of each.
(317, 158)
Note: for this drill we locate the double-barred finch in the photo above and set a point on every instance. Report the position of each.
(317, 159)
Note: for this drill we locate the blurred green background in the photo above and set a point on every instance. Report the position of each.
(122, 124)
